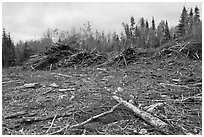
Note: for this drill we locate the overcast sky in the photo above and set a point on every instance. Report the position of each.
(30, 20)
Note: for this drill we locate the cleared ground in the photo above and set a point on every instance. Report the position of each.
(81, 93)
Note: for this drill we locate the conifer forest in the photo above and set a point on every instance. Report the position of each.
(146, 80)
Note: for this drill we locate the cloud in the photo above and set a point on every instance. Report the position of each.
(26, 20)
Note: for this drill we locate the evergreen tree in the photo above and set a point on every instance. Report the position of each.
(132, 22)
(153, 24)
(197, 22)
(146, 25)
(146, 35)
(167, 35)
(136, 32)
(8, 50)
(11, 51)
(153, 42)
(4, 48)
(4, 34)
(197, 15)
(142, 32)
(183, 23)
(190, 22)
(142, 23)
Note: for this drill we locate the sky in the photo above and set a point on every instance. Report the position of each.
(27, 21)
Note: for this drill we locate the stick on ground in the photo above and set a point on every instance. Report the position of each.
(51, 124)
(95, 117)
(88, 120)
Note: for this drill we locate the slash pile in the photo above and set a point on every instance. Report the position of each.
(191, 50)
(83, 59)
(64, 55)
(131, 55)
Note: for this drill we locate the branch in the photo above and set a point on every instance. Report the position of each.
(125, 60)
(88, 120)
(95, 117)
(17, 114)
(51, 124)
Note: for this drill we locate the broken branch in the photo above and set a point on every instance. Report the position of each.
(88, 120)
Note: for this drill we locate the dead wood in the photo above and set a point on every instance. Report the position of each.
(37, 119)
(51, 124)
(197, 84)
(154, 121)
(29, 85)
(17, 114)
(197, 97)
(51, 89)
(173, 85)
(95, 117)
(88, 120)
(64, 75)
(189, 49)
(152, 107)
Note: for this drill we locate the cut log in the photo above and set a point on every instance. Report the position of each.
(152, 120)
(29, 85)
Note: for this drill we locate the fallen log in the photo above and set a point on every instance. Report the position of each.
(152, 120)
(29, 85)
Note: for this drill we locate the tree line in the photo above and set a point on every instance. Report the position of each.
(143, 35)
(8, 50)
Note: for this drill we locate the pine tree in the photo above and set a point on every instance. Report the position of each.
(167, 35)
(4, 34)
(11, 51)
(197, 21)
(146, 25)
(8, 50)
(153, 24)
(190, 22)
(132, 22)
(137, 32)
(142, 30)
(152, 34)
(4, 48)
(197, 15)
(183, 23)
(146, 37)
(142, 23)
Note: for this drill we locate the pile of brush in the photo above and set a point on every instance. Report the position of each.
(83, 59)
(64, 55)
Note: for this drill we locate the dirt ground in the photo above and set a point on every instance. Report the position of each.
(68, 96)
